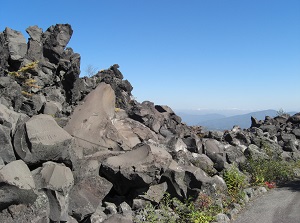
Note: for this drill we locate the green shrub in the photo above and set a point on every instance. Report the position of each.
(236, 182)
(273, 170)
(172, 210)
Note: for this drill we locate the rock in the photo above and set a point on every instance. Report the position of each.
(87, 195)
(215, 151)
(294, 119)
(55, 40)
(4, 54)
(57, 180)
(6, 149)
(17, 44)
(137, 168)
(41, 139)
(119, 218)
(52, 108)
(17, 185)
(254, 152)
(222, 218)
(38, 212)
(10, 91)
(155, 192)
(296, 132)
(235, 154)
(91, 125)
(35, 47)
(184, 181)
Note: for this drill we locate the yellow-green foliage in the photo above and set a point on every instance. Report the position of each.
(236, 182)
(23, 76)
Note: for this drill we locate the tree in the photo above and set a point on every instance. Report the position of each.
(90, 70)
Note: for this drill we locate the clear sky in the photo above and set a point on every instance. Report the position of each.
(187, 54)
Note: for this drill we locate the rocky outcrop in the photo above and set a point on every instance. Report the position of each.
(84, 150)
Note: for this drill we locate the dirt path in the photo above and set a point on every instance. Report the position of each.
(280, 205)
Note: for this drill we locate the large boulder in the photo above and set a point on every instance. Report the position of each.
(37, 212)
(91, 122)
(16, 185)
(42, 139)
(35, 46)
(87, 195)
(216, 152)
(137, 168)
(57, 181)
(17, 44)
(55, 39)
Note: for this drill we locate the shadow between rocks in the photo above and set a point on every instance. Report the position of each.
(292, 185)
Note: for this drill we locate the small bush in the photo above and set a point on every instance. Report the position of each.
(236, 182)
(273, 170)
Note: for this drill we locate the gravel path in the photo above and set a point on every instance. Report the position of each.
(280, 205)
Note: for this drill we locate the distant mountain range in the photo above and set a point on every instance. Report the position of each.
(217, 121)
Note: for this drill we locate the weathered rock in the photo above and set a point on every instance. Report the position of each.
(35, 47)
(17, 185)
(38, 212)
(55, 40)
(215, 151)
(10, 93)
(137, 168)
(155, 192)
(90, 123)
(87, 195)
(254, 152)
(17, 44)
(295, 118)
(6, 149)
(41, 139)
(235, 154)
(184, 181)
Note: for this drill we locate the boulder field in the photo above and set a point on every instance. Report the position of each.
(84, 150)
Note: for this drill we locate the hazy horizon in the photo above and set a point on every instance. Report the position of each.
(187, 55)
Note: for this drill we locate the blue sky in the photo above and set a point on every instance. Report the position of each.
(188, 54)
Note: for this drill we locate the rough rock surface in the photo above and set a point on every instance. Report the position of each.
(84, 150)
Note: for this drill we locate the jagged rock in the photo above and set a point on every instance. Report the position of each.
(55, 39)
(296, 132)
(295, 119)
(52, 108)
(9, 118)
(155, 192)
(137, 168)
(87, 195)
(90, 123)
(119, 218)
(4, 54)
(205, 163)
(6, 149)
(254, 152)
(35, 47)
(17, 45)
(215, 151)
(10, 92)
(235, 154)
(38, 212)
(184, 181)
(17, 185)
(40, 139)
(57, 180)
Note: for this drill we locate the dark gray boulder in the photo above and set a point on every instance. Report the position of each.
(6, 149)
(137, 168)
(17, 47)
(87, 195)
(55, 39)
(35, 46)
(16, 185)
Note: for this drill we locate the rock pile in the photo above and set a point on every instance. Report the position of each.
(83, 150)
